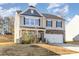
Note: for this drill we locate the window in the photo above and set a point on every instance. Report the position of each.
(31, 22)
(49, 23)
(32, 11)
(26, 21)
(58, 23)
(37, 22)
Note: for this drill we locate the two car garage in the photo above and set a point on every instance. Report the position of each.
(54, 36)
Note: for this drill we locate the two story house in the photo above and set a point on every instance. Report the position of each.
(47, 26)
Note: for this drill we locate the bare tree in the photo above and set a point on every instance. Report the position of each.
(1, 24)
(9, 21)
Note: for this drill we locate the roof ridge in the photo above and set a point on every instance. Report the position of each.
(52, 15)
(46, 13)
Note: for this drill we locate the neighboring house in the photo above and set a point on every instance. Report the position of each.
(72, 29)
(5, 25)
(47, 26)
(1, 25)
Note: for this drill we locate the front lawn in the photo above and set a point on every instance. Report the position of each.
(72, 42)
(25, 50)
(6, 38)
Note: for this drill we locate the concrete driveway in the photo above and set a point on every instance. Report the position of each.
(74, 47)
(57, 49)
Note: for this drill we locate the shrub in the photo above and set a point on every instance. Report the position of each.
(29, 38)
(26, 39)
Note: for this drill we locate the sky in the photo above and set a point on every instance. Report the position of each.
(65, 10)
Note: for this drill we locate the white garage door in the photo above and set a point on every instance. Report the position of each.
(54, 38)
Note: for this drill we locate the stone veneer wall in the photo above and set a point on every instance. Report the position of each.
(54, 31)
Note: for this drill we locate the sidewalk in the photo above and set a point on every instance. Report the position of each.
(74, 47)
(76, 54)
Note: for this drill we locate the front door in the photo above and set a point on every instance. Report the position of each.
(41, 36)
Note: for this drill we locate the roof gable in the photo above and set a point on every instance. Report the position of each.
(31, 12)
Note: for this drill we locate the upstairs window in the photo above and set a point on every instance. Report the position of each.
(37, 22)
(31, 22)
(58, 23)
(26, 21)
(49, 23)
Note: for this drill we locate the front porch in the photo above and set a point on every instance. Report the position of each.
(32, 35)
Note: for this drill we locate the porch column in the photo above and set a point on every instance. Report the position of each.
(36, 38)
(16, 28)
(37, 32)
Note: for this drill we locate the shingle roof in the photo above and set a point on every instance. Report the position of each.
(32, 6)
(52, 16)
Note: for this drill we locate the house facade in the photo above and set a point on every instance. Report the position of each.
(48, 27)
(5, 25)
(1, 25)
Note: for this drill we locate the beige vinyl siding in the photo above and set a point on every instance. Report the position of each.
(43, 23)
